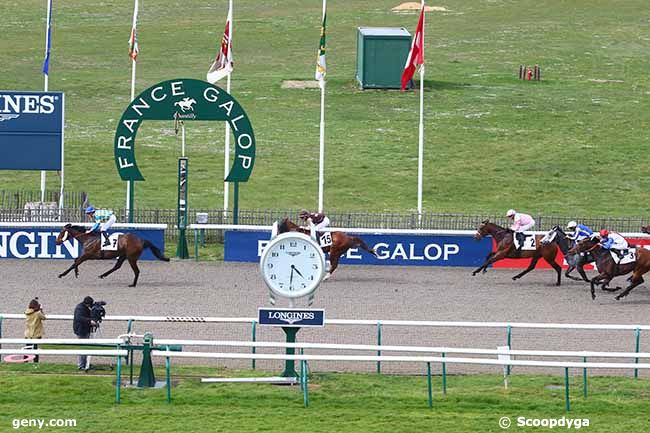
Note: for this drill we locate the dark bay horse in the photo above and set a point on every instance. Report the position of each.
(129, 247)
(575, 261)
(506, 250)
(340, 243)
(609, 269)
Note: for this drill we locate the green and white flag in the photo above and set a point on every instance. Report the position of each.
(321, 67)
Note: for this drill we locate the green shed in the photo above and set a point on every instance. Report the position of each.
(381, 55)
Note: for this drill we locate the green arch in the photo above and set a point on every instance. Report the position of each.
(189, 99)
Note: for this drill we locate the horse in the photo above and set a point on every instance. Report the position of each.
(575, 261)
(506, 250)
(129, 247)
(340, 243)
(609, 269)
(645, 229)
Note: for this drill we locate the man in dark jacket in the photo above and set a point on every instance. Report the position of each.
(82, 324)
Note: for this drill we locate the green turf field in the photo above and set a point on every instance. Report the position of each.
(337, 403)
(573, 144)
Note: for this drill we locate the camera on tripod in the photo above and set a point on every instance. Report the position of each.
(97, 313)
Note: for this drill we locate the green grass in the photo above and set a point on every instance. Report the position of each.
(567, 145)
(338, 402)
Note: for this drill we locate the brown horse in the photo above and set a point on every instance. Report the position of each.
(506, 249)
(129, 247)
(609, 269)
(340, 243)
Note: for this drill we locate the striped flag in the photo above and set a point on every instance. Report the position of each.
(416, 55)
(133, 40)
(48, 39)
(321, 66)
(223, 64)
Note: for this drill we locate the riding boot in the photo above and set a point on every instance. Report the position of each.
(107, 241)
(520, 239)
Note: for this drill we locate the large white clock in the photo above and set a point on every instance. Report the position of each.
(292, 265)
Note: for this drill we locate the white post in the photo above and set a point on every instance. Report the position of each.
(421, 131)
(46, 84)
(62, 155)
(182, 139)
(128, 184)
(321, 153)
(226, 146)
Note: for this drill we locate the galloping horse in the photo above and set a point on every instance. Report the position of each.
(506, 250)
(575, 261)
(609, 269)
(340, 243)
(129, 247)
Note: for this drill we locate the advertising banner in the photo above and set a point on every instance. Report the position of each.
(39, 243)
(31, 130)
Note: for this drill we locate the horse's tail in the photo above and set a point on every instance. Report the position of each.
(360, 242)
(154, 249)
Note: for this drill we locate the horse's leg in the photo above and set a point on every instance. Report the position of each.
(75, 265)
(485, 264)
(581, 271)
(636, 280)
(334, 263)
(570, 269)
(117, 266)
(134, 265)
(530, 267)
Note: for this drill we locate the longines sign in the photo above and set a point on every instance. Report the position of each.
(31, 130)
(184, 99)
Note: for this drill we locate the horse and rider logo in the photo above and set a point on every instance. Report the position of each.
(528, 243)
(186, 104)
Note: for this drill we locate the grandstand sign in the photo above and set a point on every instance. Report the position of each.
(31, 130)
(184, 99)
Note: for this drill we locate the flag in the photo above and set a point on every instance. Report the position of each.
(222, 65)
(48, 39)
(321, 67)
(133, 40)
(416, 55)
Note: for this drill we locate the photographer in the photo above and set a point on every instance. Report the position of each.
(82, 325)
(34, 317)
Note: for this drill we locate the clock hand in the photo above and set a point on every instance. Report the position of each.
(297, 271)
(291, 278)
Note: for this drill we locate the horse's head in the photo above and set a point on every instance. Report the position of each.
(63, 234)
(584, 245)
(482, 230)
(287, 226)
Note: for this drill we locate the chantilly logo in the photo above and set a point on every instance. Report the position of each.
(11, 106)
(290, 317)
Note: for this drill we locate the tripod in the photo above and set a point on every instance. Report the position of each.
(95, 332)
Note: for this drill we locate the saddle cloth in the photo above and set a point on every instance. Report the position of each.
(529, 242)
(113, 238)
(629, 257)
(325, 239)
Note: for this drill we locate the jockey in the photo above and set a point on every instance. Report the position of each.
(520, 223)
(613, 242)
(103, 219)
(580, 231)
(317, 219)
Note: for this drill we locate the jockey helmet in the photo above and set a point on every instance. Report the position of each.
(510, 213)
(571, 225)
(604, 233)
(90, 210)
(304, 214)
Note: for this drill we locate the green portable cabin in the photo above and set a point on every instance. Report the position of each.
(381, 55)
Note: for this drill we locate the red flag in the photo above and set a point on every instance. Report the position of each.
(133, 39)
(416, 55)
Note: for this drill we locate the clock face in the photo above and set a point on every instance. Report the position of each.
(292, 265)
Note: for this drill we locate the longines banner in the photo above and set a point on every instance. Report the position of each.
(31, 130)
(39, 243)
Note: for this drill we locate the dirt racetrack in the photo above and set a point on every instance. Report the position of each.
(216, 289)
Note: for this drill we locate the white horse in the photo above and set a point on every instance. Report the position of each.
(186, 104)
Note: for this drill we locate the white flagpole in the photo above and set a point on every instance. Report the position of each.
(133, 62)
(321, 152)
(421, 128)
(46, 82)
(226, 146)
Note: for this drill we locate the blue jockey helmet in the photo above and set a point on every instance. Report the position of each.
(90, 209)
